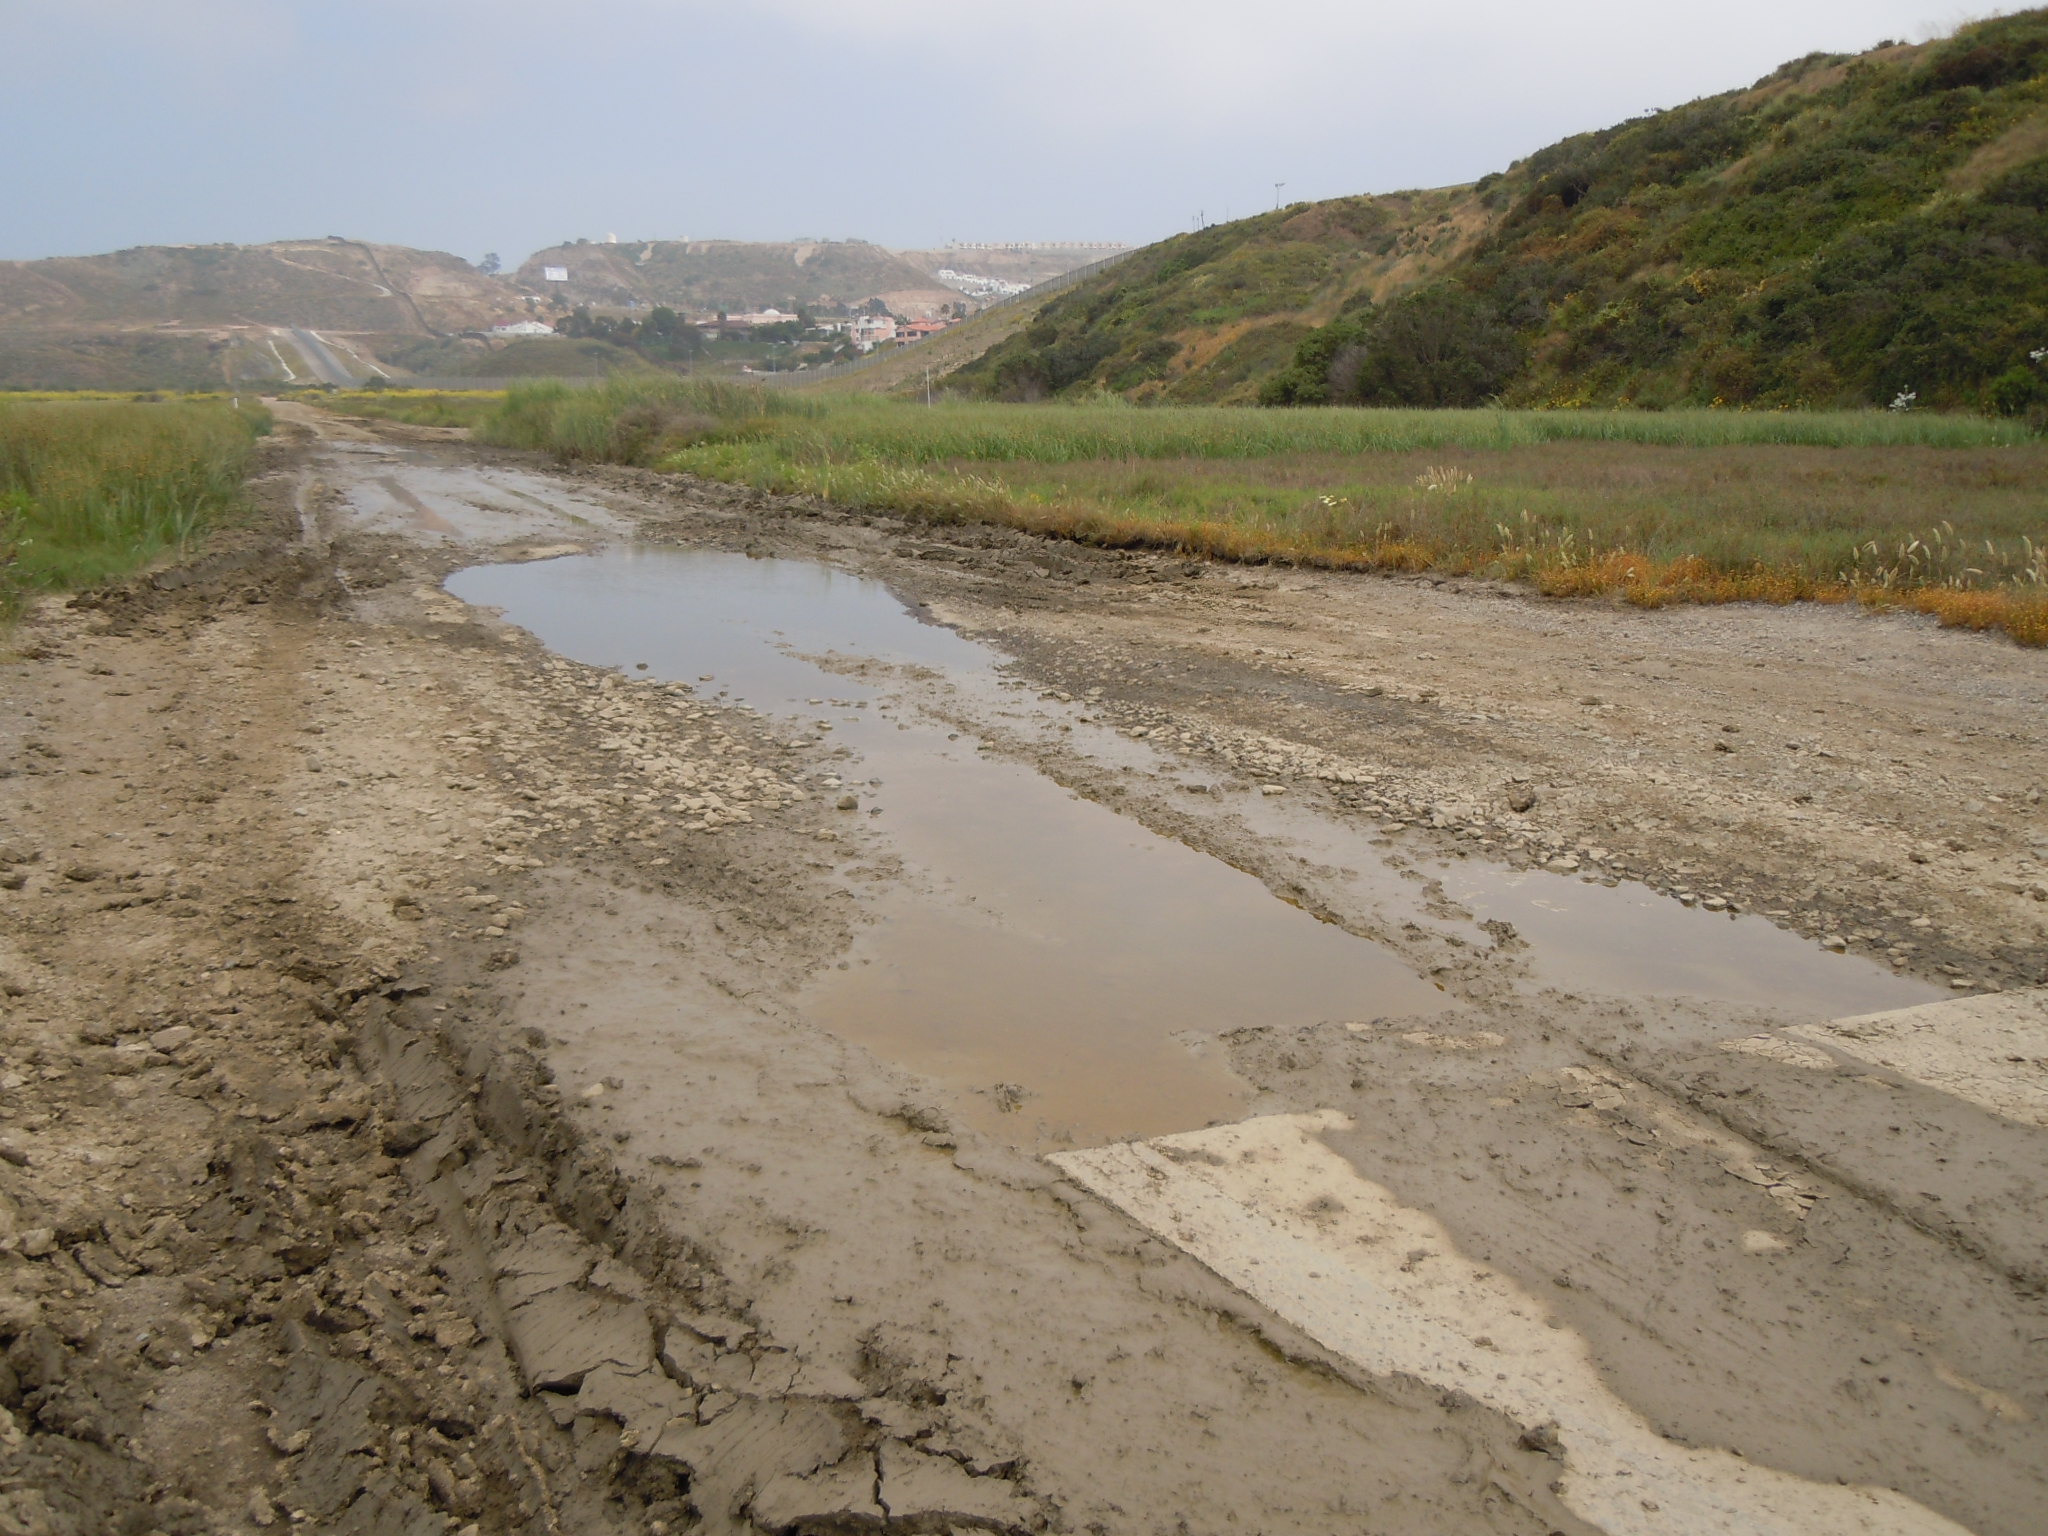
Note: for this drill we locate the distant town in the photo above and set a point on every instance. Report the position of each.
(813, 334)
(862, 331)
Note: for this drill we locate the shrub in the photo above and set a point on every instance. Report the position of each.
(1306, 380)
(2017, 390)
(1439, 347)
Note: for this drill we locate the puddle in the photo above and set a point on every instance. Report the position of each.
(1625, 939)
(1043, 941)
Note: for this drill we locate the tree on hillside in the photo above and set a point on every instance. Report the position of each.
(490, 265)
(1439, 347)
(1306, 380)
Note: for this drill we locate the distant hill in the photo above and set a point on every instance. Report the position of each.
(1029, 264)
(1847, 229)
(734, 275)
(343, 284)
(198, 316)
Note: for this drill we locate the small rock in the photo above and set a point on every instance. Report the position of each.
(169, 1040)
(38, 1243)
(1272, 789)
(847, 803)
(1521, 797)
(84, 874)
(1543, 1438)
(1563, 865)
(1763, 1242)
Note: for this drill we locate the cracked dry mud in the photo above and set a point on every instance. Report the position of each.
(411, 1119)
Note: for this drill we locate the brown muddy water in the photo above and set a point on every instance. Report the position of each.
(1060, 966)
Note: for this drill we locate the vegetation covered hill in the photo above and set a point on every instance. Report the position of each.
(1847, 231)
(733, 275)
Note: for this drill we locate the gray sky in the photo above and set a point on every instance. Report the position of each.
(505, 125)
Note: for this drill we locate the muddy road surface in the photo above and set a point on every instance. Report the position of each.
(577, 1001)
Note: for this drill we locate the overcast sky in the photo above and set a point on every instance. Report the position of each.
(505, 125)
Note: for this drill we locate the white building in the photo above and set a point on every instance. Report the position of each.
(867, 331)
(523, 328)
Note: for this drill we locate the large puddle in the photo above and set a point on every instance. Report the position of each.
(1058, 964)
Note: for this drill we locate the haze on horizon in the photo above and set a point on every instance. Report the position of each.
(508, 125)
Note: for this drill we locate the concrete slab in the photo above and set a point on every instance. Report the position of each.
(1272, 1209)
(1991, 1049)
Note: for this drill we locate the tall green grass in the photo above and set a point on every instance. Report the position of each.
(414, 407)
(632, 420)
(1062, 434)
(92, 490)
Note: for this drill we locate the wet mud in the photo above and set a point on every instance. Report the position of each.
(458, 1077)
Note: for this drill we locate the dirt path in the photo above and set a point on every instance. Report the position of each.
(413, 1119)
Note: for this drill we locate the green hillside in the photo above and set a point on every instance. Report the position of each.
(1845, 231)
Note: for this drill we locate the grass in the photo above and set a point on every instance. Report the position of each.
(91, 490)
(415, 407)
(1932, 512)
(634, 419)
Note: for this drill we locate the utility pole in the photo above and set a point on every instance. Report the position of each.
(1276, 195)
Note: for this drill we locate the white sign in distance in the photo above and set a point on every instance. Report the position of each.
(555, 274)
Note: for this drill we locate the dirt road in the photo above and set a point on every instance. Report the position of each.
(1083, 1043)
